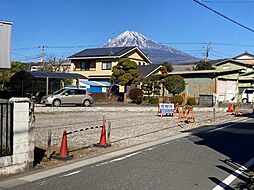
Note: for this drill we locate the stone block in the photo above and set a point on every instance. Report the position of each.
(21, 107)
(21, 137)
(19, 148)
(21, 158)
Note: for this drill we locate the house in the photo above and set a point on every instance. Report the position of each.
(246, 58)
(244, 78)
(97, 63)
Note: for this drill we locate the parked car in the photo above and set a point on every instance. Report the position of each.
(248, 95)
(68, 96)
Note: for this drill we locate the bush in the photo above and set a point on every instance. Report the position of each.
(153, 100)
(136, 95)
(100, 96)
(191, 101)
(177, 99)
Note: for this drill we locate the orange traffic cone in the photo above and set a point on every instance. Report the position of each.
(63, 153)
(103, 141)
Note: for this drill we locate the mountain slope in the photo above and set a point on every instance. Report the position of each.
(155, 51)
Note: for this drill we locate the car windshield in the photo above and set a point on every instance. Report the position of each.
(59, 91)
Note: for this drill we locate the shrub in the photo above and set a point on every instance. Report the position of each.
(99, 96)
(153, 100)
(177, 99)
(136, 95)
(191, 101)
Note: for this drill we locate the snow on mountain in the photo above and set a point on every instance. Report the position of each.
(155, 51)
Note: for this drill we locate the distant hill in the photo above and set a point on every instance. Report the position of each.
(157, 52)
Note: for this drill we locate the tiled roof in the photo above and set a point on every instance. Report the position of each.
(147, 69)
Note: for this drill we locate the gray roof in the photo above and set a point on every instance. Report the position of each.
(146, 70)
(102, 52)
(39, 74)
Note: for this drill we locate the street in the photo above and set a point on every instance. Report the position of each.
(199, 161)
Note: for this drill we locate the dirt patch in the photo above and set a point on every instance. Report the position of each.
(44, 162)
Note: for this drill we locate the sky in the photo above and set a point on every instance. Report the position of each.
(69, 26)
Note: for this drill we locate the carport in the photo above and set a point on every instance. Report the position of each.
(36, 81)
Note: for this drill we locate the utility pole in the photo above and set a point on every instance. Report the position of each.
(207, 48)
(42, 47)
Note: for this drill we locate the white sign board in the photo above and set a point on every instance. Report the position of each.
(166, 109)
(5, 44)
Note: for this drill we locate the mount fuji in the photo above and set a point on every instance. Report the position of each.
(157, 52)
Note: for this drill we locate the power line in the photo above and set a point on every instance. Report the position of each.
(228, 2)
(216, 12)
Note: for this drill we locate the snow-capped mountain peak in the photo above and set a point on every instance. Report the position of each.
(132, 38)
(156, 51)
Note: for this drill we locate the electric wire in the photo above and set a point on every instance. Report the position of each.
(220, 14)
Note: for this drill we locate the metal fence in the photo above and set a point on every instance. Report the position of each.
(6, 129)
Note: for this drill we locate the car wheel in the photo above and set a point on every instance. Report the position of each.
(87, 103)
(56, 103)
(244, 100)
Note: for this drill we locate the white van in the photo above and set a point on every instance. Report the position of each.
(248, 95)
(36, 68)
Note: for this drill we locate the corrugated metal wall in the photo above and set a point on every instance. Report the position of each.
(5, 45)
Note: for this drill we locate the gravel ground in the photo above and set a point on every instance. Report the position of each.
(129, 125)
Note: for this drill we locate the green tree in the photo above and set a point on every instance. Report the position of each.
(6, 74)
(165, 69)
(168, 66)
(175, 84)
(151, 85)
(125, 73)
(203, 66)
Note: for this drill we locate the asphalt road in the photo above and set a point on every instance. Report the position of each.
(200, 161)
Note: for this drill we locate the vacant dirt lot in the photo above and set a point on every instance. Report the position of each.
(129, 125)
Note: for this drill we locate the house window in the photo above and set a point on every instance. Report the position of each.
(88, 66)
(144, 63)
(139, 63)
(106, 65)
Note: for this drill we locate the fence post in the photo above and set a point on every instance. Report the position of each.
(23, 140)
(49, 143)
(104, 120)
(109, 129)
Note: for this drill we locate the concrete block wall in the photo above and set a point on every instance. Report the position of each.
(23, 141)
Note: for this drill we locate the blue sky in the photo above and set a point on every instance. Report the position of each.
(60, 24)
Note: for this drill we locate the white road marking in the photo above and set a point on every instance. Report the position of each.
(124, 157)
(119, 159)
(234, 175)
(72, 173)
(227, 125)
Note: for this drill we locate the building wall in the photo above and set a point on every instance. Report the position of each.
(199, 86)
(137, 58)
(227, 90)
(229, 66)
